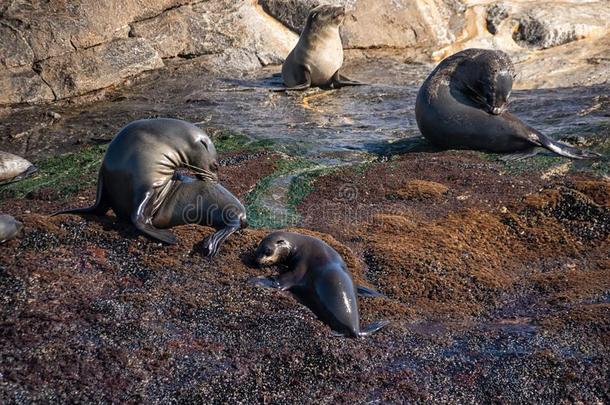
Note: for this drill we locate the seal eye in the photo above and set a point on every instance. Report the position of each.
(268, 252)
(205, 145)
(280, 242)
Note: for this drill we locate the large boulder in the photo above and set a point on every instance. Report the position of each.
(59, 48)
(98, 67)
(217, 28)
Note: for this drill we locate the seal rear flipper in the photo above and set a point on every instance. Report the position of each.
(212, 243)
(100, 207)
(372, 328)
(368, 292)
(566, 150)
(142, 220)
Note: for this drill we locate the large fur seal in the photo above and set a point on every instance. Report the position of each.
(9, 227)
(14, 168)
(316, 274)
(463, 105)
(138, 170)
(318, 56)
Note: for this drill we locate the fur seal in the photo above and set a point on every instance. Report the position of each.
(192, 201)
(316, 274)
(318, 55)
(138, 170)
(463, 105)
(14, 168)
(9, 227)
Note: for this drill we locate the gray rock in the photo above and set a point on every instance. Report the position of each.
(14, 50)
(293, 13)
(545, 25)
(13, 167)
(101, 66)
(23, 85)
(9, 228)
(496, 13)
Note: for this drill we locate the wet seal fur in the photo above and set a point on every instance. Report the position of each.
(138, 174)
(463, 105)
(10, 228)
(316, 274)
(316, 59)
(14, 168)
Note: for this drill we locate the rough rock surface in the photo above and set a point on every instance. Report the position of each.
(380, 23)
(77, 47)
(53, 39)
(97, 67)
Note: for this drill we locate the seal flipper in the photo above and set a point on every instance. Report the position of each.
(564, 149)
(100, 207)
(338, 81)
(367, 292)
(304, 82)
(142, 220)
(214, 241)
(372, 328)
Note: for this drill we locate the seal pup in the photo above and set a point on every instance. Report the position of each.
(192, 201)
(463, 105)
(318, 55)
(9, 227)
(138, 170)
(317, 275)
(14, 168)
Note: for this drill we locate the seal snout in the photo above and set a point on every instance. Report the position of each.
(339, 14)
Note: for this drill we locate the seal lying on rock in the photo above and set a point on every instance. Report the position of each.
(9, 227)
(463, 105)
(318, 56)
(14, 168)
(318, 277)
(138, 176)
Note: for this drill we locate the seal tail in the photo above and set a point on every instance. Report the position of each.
(100, 207)
(373, 327)
(564, 149)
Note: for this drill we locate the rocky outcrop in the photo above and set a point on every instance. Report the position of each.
(521, 26)
(381, 23)
(97, 67)
(55, 49)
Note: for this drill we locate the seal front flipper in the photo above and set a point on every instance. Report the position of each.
(372, 328)
(338, 81)
(368, 292)
(142, 220)
(265, 282)
(100, 207)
